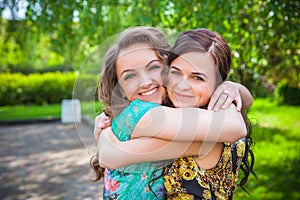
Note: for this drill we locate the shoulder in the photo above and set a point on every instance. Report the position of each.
(181, 166)
(241, 147)
(125, 122)
(238, 147)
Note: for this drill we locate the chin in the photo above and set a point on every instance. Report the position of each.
(153, 100)
(183, 105)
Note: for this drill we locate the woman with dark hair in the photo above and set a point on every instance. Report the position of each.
(196, 56)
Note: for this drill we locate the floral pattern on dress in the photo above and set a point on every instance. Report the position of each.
(185, 180)
(123, 185)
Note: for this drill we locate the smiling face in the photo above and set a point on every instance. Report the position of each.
(192, 80)
(139, 71)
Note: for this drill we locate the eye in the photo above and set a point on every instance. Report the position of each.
(174, 72)
(129, 76)
(198, 78)
(153, 67)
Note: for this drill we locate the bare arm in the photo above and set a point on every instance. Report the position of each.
(190, 124)
(115, 154)
(247, 99)
(236, 93)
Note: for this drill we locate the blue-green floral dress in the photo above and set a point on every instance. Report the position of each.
(131, 182)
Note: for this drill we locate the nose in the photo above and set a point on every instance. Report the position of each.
(183, 84)
(145, 80)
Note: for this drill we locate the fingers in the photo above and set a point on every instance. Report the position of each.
(104, 124)
(214, 98)
(97, 133)
(238, 102)
(222, 103)
(225, 94)
(219, 98)
(227, 102)
(101, 122)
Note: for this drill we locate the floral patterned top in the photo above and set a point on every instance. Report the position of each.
(131, 182)
(185, 180)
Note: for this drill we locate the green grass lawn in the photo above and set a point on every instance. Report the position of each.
(52, 111)
(276, 133)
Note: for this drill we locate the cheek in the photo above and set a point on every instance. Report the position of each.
(173, 80)
(210, 87)
(128, 89)
(158, 77)
(202, 91)
(171, 83)
(210, 90)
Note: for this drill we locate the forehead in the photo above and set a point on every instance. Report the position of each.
(135, 56)
(194, 62)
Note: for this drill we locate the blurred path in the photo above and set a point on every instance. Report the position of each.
(46, 161)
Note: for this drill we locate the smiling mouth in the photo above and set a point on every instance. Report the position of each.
(183, 95)
(148, 92)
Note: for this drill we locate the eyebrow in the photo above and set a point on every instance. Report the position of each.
(194, 73)
(149, 63)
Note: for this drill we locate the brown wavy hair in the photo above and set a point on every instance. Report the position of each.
(109, 91)
(203, 40)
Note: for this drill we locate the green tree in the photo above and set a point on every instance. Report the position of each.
(263, 35)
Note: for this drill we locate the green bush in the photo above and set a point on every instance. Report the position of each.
(85, 87)
(286, 94)
(17, 88)
(29, 69)
(290, 95)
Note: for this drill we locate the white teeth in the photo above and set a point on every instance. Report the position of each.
(149, 92)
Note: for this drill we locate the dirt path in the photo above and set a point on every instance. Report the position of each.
(46, 161)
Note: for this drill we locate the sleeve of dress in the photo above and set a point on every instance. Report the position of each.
(124, 124)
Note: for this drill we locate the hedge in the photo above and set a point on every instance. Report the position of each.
(288, 94)
(47, 88)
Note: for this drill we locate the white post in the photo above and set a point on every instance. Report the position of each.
(70, 111)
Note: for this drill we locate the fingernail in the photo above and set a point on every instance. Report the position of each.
(209, 108)
(101, 125)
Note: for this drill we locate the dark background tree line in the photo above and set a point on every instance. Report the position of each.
(59, 35)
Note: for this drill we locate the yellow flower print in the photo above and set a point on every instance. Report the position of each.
(226, 154)
(170, 183)
(206, 194)
(241, 149)
(182, 197)
(188, 175)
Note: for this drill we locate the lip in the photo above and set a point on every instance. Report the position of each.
(183, 95)
(149, 92)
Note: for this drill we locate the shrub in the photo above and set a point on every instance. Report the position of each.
(85, 87)
(286, 94)
(16, 88)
